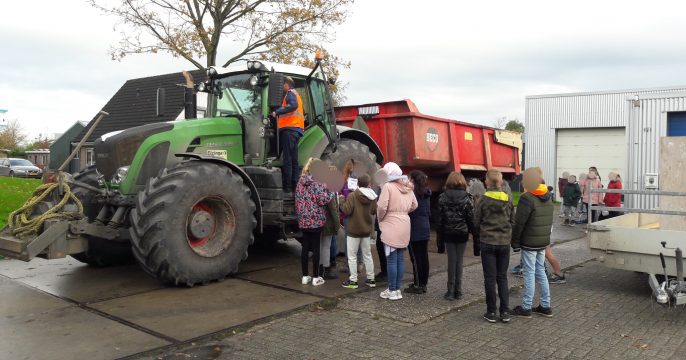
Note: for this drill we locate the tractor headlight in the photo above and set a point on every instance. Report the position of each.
(254, 65)
(120, 175)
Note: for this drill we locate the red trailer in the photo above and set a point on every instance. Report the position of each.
(435, 145)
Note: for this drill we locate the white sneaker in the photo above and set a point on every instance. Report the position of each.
(317, 281)
(307, 279)
(386, 294)
(395, 295)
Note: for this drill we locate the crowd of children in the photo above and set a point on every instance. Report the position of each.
(576, 196)
(394, 210)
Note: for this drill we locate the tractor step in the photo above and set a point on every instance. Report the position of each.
(53, 243)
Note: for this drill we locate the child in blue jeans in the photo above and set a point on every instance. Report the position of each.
(531, 235)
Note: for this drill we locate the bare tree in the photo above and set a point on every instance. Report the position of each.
(12, 136)
(500, 122)
(284, 30)
(40, 142)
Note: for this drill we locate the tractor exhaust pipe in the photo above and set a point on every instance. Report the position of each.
(190, 98)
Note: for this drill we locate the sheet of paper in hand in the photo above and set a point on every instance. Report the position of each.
(352, 183)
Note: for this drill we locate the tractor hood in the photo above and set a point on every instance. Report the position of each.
(118, 149)
(129, 158)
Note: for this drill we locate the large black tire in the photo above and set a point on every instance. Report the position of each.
(352, 149)
(100, 252)
(165, 241)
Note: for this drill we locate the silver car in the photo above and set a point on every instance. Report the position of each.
(19, 168)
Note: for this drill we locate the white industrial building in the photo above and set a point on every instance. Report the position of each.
(611, 130)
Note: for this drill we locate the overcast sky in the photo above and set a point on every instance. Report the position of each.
(473, 61)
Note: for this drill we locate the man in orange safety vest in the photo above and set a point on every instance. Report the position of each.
(291, 124)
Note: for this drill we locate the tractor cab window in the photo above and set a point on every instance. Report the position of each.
(238, 96)
(319, 99)
(300, 87)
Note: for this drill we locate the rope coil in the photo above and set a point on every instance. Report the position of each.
(20, 222)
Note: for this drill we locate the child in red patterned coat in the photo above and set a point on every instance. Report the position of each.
(311, 197)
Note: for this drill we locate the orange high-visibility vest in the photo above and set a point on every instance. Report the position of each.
(294, 118)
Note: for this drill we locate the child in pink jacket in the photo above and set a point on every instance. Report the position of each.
(395, 202)
(592, 182)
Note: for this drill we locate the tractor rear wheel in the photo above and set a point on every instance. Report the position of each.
(347, 149)
(193, 224)
(100, 252)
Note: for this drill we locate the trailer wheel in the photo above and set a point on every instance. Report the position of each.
(351, 149)
(100, 252)
(193, 224)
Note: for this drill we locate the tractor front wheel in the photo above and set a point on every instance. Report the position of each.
(193, 224)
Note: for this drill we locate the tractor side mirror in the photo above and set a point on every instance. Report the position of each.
(161, 99)
(276, 94)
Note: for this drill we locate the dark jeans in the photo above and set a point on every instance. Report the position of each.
(381, 252)
(334, 248)
(419, 255)
(288, 141)
(310, 242)
(455, 250)
(495, 260)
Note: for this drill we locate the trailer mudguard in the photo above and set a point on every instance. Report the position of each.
(246, 179)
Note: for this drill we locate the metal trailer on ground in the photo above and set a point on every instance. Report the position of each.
(635, 241)
(432, 144)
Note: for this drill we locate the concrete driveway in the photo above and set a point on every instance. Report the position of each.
(63, 309)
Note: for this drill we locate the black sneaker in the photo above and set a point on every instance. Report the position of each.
(490, 317)
(330, 273)
(413, 289)
(505, 317)
(540, 310)
(370, 282)
(557, 279)
(449, 295)
(521, 312)
(350, 284)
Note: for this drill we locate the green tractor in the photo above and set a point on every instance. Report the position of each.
(186, 198)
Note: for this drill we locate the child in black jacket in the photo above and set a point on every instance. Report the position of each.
(455, 223)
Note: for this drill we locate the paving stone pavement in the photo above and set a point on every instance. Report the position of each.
(599, 314)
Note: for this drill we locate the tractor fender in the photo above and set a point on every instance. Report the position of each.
(246, 179)
(364, 138)
(316, 144)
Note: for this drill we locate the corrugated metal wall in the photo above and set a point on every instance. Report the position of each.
(647, 124)
(544, 114)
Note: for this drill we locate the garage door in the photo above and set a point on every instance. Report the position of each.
(604, 148)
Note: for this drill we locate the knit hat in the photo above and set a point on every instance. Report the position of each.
(394, 172)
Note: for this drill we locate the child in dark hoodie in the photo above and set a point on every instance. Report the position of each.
(360, 207)
(455, 223)
(420, 232)
(531, 234)
(493, 219)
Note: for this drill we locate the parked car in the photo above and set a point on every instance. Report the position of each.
(19, 168)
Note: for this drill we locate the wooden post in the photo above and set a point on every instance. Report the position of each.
(83, 140)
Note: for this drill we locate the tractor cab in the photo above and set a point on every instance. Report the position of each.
(251, 91)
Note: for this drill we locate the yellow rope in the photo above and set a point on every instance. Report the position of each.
(20, 222)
